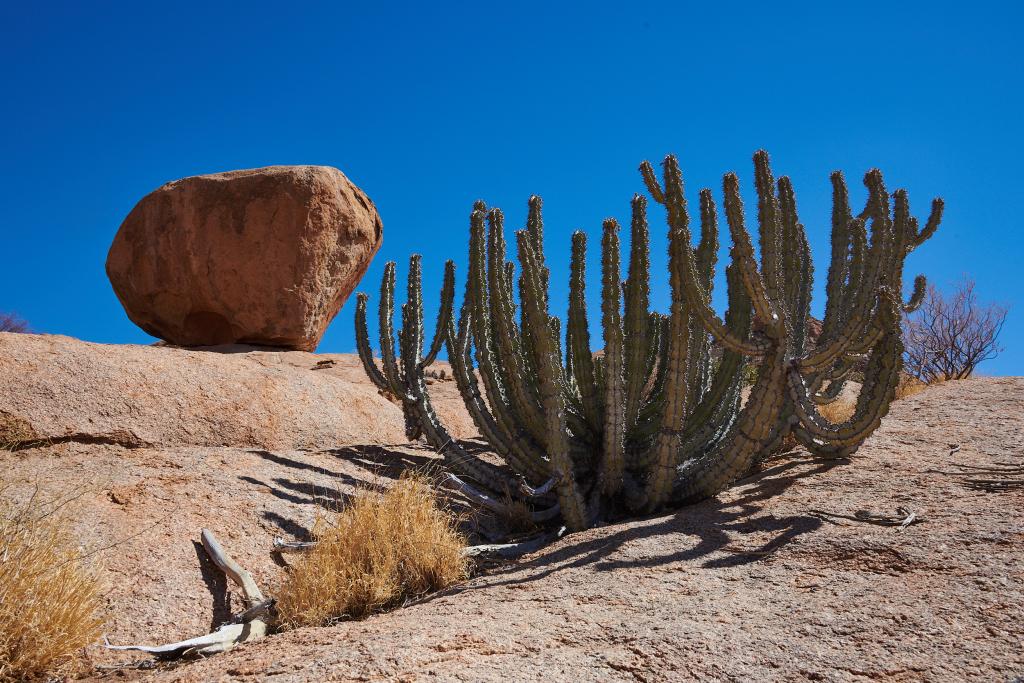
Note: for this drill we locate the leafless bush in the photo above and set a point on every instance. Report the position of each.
(12, 323)
(948, 337)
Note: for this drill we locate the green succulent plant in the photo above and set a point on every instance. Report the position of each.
(653, 421)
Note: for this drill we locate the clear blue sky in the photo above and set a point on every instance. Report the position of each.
(428, 106)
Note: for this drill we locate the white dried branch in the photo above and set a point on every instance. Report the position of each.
(252, 626)
(511, 551)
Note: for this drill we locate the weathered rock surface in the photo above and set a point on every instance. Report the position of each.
(55, 388)
(262, 256)
(766, 582)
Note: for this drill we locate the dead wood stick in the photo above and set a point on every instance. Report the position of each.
(511, 551)
(541, 490)
(505, 550)
(909, 519)
(258, 610)
(905, 517)
(231, 569)
(494, 505)
(283, 546)
(251, 625)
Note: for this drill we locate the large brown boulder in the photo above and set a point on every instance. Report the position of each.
(263, 256)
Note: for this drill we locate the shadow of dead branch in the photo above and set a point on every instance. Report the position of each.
(217, 584)
(293, 463)
(300, 493)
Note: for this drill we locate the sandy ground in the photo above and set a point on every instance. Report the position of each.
(763, 583)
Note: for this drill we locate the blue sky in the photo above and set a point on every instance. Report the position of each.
(429, 106)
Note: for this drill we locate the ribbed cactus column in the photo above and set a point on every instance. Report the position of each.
(613, 461)
(653, 420)
(403, 375)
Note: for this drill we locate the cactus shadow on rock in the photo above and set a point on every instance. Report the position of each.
(383, 461)
(712, 523)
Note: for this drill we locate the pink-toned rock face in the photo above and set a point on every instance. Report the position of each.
(261, 256)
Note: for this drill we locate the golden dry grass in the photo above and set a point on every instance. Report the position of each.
(14, 431)
(838, 411)
(909, 386)
(842, 409)
(49, 600)
(380, 550)
(517, 516)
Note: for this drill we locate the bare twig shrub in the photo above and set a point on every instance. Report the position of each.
(12, 323)
(948, 337)
(372, 555)
(49, 599)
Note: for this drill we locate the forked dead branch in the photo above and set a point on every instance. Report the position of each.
(381, 550)
(654, 421)
(248, 626)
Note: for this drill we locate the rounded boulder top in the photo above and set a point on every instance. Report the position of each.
(260, 256)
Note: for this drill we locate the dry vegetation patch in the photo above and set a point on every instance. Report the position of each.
(911, 386)
(381, 549)
(842, 409)
(838, 411)
(14, 431)
(49, 599)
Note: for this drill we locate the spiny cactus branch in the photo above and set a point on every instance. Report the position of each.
(654, 420)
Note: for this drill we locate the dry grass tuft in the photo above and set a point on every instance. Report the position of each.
(381, 549)
(838, 411)
(842, 409)
(14, 431)
(910, 386)
(49, 600)
(517, 518)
